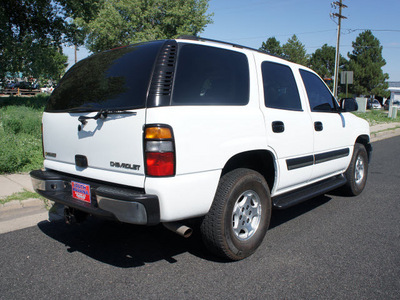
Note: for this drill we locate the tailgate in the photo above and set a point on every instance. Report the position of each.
(112, 146)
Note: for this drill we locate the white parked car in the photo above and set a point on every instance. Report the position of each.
(47, 89)
(166, 131)
(376, 104)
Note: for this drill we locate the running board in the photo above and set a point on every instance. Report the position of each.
(292, 198)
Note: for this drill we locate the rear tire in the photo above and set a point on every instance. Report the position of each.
(357, 172)
(239, 216)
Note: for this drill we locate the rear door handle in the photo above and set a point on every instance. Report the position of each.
(318, 126)
(278, 126)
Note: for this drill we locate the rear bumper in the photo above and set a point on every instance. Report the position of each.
(125, 204)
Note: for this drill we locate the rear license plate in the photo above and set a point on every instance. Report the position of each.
(81, 191)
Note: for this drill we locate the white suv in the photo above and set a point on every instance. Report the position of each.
(171, 130)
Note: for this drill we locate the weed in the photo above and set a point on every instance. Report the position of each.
(20, 134)
(21, 196)
(377, 117)
(37, 102)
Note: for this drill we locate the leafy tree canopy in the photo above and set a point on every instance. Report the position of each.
(45, 62)
(32, 32)
(272, 46)
(366, 61)
(322, 61)
(295, 51)
(123, 22)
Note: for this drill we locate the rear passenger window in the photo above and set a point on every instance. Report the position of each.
(211, 76)
(280, 89)
(319, 96)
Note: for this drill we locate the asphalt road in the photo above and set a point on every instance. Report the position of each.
(330, 247)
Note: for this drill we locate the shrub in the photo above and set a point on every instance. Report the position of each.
(21, 119)
(20, 134)
(19, 153)
(37, 102)
(377, 116)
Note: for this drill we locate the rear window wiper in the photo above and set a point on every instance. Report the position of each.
(103, 114)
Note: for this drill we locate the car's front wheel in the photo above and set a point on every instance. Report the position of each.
(357, 171)
(239, 216)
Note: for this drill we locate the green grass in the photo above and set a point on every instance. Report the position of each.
(20, 133)
(21, 196)
(37, 102)
(24, 195)
(377, 116)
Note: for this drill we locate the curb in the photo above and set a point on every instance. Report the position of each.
(19, 204)
(24, 221)
(16, 214)
(386, 133)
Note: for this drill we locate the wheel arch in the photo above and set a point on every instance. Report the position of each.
(261, 161)
(365, 140)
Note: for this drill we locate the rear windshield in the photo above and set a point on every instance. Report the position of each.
(114, 79)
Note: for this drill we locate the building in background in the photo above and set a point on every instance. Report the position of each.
(394, 88)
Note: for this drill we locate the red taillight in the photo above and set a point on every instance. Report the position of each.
(159, 151)
(160, 164)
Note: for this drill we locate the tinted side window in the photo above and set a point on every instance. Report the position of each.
(280, 89)
(319, 96)
(210, 76)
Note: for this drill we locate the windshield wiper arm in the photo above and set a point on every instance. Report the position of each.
(102, 114)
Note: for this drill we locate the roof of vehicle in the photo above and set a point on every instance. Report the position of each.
(197, 38)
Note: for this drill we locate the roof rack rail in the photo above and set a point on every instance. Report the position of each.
(198, 38)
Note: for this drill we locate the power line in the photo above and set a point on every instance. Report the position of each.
(383, 30)
(285, 34)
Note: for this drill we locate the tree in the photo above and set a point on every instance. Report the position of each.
(295, 51)
(366, 61)
(322, 61)
(45, 63)
(123, 22)
(23, 24)
(78, 9)
(32, 32)
(272, 46)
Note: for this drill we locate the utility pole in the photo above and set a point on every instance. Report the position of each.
(337, 58)
(76, 56)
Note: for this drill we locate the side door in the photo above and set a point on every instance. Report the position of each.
(332, 147)
(288, 126)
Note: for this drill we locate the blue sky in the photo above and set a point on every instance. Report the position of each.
(251, 22)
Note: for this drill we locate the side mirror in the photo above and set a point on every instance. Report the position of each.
(348, 105)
